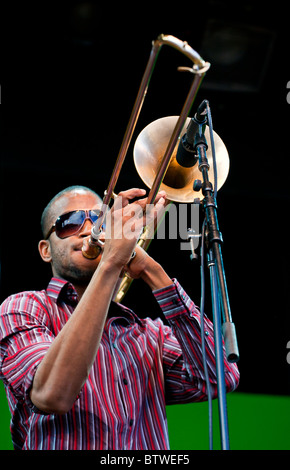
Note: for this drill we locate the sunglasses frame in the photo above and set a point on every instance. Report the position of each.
(88, 214)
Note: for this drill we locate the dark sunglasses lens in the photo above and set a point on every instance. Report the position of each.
(69, 224)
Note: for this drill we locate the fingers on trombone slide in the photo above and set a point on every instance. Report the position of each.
(129, 195)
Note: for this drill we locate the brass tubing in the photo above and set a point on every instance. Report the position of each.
(92, 247)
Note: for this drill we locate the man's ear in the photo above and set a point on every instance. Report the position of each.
(44, 250)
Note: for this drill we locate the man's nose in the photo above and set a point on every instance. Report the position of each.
(86, 228)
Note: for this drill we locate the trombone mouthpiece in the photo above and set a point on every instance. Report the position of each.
(91, 249)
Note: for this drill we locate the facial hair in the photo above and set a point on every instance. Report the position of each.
(64, 267)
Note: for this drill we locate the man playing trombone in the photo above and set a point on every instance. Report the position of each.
(84, 372)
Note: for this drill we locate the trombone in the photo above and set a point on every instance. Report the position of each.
(168, 166)
(167, 130)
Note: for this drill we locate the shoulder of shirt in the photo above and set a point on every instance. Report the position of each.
(52, 291)
(26, 294)
(25, 300)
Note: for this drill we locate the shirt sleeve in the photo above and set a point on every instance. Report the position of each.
(25, 337)
(185, 378)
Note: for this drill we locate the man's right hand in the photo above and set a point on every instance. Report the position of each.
(125, 222)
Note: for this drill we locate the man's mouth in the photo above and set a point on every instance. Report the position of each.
(78, 248)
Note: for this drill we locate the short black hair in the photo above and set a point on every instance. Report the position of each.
(47, 211)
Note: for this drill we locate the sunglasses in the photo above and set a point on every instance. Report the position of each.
(70, 223)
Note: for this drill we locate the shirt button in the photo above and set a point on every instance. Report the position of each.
(131, 422)
(114, 346)
(125, 381)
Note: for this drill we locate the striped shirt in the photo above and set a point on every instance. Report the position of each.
(141, 366)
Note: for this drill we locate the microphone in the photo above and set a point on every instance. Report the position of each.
(186, 154)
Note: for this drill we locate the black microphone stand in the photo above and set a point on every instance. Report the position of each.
(219, 293)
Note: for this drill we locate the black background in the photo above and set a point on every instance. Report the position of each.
(70, 73)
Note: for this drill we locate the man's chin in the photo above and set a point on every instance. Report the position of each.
(78, 276)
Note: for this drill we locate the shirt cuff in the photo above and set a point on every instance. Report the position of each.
(174, 301)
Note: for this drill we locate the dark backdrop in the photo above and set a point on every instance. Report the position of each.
(69, 77)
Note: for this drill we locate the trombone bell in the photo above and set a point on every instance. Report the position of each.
(149, 150)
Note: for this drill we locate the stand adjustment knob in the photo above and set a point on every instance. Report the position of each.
(197, 185)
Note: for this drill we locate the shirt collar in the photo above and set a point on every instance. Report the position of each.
(61, 290)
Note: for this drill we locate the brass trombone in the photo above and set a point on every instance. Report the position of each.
(170, 129)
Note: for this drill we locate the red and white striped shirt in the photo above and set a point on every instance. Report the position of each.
(141, 366)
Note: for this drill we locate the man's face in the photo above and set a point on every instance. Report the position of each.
(67, 260)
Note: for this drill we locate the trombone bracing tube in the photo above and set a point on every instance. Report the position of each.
(92, 247)
(184, 48)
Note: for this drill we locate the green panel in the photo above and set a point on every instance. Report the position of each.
(256, 422)
(5, 438)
